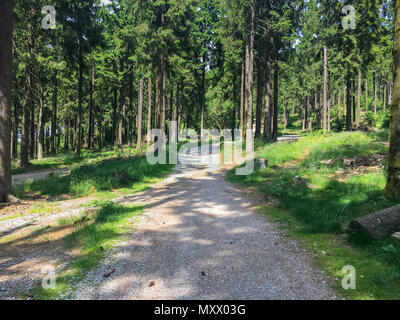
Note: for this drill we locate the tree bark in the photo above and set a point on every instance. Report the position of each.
(242, 98)
(267, 99)
(6, 31)
(384, 97)
(304, 115)
(375, 94)
(16, 127)
(325, 107)
(328, 111)
(32, 137)
(276, 92)
(149, 103)
(54, 114)
(78, 134)
(359, 98)
(26, 116)
(41, 125)
(393, 183)
(91, 109)
(122, 114)
(203, 92)
(114, 120)
(250, 64)
(310, 119)
(260, 84)
(366, 95)
(349, 123)
(130, 128)
(100, 126)
(340, 104)
(158, 85)
(163, 96)
(378, 225)
(139, 115)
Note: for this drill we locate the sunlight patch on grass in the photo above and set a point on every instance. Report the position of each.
(93, 237)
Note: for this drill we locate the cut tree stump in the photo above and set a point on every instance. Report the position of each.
(263, 164)
(378, 225)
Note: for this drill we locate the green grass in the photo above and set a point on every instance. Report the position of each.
(94, 236)
(97, 232)
(100, 177)
(10, 217)
(317, 214)
(68, 159)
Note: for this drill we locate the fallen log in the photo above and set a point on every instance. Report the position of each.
(378, 225)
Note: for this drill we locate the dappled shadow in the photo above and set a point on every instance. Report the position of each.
(23, 257)
(200, 239)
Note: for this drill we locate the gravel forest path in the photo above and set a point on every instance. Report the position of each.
(201, 238)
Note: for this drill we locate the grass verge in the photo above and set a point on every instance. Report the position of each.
(93, 236)
(132, 173)
(316, 213)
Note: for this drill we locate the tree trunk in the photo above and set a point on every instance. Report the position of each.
(130, 128)
(203, 92)
(340, 104)
(163, 97)
(27, 106)
(122, 114)
(349, 123)
(285, 117)
(41, 124)
(6, 32)
(329, 113)
(260, 77)
(375, 94)
(366, 95)
(325, 109)
(79, 113)
(354, 102)
(242, 98)
(91, 109)
(149, 103)
(317, 108)
(16, 127)
(250, 64)
(114, 120)
(393, 184)
(359, 98)
(139, 115)
(384, 97)
(54, 115)
(157, 111)
(276, 92)
(66, 135)
(267, 100)
(304, 115)
(100, 126)
(310, 120)
(32, 137)
(378, 225)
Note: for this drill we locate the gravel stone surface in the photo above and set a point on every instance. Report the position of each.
(200, 238)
